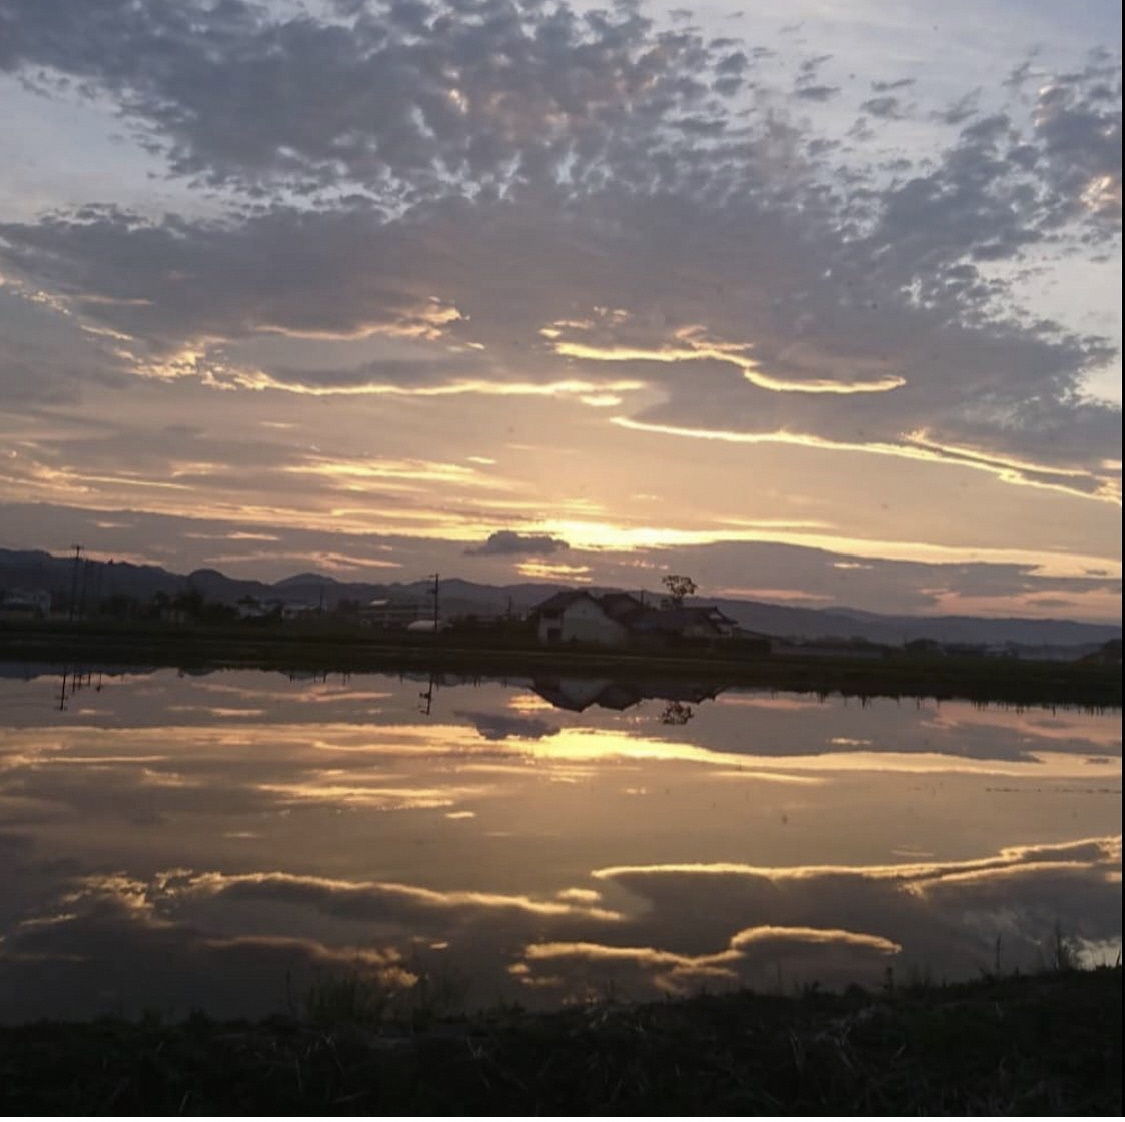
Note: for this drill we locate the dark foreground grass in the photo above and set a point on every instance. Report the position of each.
(1048, 1045)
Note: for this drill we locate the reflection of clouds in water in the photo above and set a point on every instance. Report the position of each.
(145, 775)
(945, 916)
(377, 901)
(581, 968)
(216, 711)
(179, 939)
(1075, 731)
(501, 726)
(508, 892)
(739, 721)
(114, 943)
(117, 957)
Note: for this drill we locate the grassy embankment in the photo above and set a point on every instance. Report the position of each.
(291, 647)
(1047, 1044)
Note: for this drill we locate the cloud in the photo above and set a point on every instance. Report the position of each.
(392, 224)
(498, 174)
(504, 543)
(384, 97)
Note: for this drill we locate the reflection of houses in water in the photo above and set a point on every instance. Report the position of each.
(579, 694)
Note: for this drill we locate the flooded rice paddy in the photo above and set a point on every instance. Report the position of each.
(228, 841)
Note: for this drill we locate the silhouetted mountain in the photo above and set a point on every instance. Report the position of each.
(38, 569)
(305, 578)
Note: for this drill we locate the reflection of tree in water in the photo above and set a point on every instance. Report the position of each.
(676, 713)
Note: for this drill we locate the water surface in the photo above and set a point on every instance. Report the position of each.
(226, 841)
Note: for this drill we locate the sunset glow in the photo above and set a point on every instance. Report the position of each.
(778, 300)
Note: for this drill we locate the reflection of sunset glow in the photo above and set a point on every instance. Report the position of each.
(363, 899)
(567, 746)
(1074, 854)
(529, 703)
(545, 852)
(766, 934)
(587, 744)
(1035, 724)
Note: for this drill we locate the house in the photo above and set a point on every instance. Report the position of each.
(299, 610)
(687, 623)
(248, 607)
(618, 619)
(578, 616)
(393, 614)
(19, 603)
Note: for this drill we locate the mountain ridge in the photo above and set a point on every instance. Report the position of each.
(38, 568)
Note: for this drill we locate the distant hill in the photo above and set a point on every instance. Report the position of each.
(38, 569)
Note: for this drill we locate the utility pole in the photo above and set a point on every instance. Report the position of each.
(74, 582)
(87, 565)
(435, 594)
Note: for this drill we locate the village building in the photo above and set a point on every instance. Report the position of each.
(393, 614)
(578, 616)
(25, 603)
(620, 619)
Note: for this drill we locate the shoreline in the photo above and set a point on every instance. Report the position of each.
(980, 679)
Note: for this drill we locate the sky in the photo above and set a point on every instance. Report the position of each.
(815, 303)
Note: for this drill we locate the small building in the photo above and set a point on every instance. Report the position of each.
(695, 623)
(249, 607)
(392, 614)
(427, 626)
(580, 617)
(25, 603)
(299, 610)
(619, 619)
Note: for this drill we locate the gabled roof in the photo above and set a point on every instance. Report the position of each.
(676, 619)
(622, 606)
(558, 603)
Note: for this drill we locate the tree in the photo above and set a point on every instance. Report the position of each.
(678, 588)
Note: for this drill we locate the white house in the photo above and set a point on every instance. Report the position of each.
(32, 603)
(577, 617)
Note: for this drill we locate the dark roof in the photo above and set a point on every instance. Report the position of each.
(676, 619)
(560, 601)
(622, 606)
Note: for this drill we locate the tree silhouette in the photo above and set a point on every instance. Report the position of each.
(678, 588)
